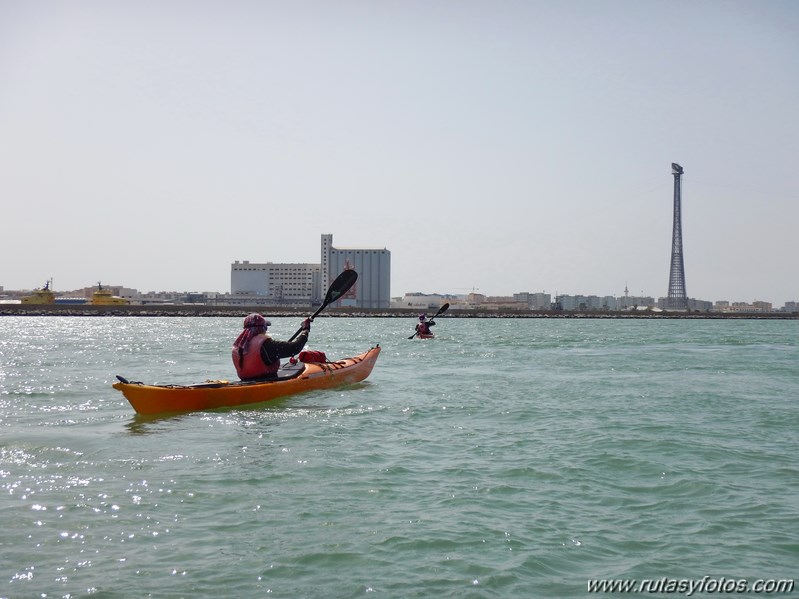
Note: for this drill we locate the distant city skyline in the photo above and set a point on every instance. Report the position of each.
(460, 293)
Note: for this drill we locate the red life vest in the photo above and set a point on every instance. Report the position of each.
(423, 328)
(252, 366)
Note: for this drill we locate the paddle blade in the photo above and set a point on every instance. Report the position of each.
(441, 310)
(340, 286)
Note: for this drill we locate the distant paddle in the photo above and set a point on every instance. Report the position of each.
(337, 288)
(441, 310)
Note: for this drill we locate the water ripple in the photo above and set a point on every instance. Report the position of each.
(502, 459)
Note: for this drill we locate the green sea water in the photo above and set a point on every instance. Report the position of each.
(504, 458)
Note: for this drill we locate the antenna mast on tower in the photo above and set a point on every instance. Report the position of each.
(677, 298)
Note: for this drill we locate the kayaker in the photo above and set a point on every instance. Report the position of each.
(423, 328)
(256, 355)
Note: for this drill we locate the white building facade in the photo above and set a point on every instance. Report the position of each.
(299, 284)
(590, 302)
(421, 301)
(274, 283)
(535, 301)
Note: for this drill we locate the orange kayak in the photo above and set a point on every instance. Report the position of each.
(159, 399)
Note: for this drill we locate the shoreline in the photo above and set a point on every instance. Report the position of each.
(242, 311)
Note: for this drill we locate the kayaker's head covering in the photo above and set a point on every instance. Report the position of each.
(256, 320)
(422, 316)
(254, 324)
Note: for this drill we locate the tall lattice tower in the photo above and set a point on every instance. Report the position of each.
(677, 298)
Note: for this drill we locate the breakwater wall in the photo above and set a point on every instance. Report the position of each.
(203, 310)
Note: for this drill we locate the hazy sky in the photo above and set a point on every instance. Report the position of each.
(500, 145)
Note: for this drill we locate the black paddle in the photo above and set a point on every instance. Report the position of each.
(337, 288)
(441, 310)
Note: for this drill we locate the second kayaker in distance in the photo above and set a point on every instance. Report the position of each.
(256, 355)
(423, 328)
